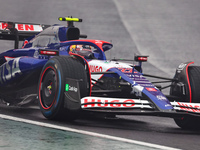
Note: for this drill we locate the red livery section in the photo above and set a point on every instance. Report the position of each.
(151, 89)
(191, 107)
(96, 68)
(100, 102)
(109, 103)
(126, 70)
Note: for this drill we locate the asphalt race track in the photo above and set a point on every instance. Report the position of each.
(166, 30)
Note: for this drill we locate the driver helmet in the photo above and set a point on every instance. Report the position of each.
(83, 50)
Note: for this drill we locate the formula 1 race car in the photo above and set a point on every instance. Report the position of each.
(68, 76)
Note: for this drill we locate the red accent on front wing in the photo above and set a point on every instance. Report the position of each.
(103, 102)
(188, 107)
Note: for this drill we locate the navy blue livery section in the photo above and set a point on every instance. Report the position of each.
(16, 68)
(19, 77)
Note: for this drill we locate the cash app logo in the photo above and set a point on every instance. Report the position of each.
(66, 87)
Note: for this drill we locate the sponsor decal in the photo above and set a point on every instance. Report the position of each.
(126, 70)
(192, 107)
(98, 42)
(168, 105)
(97, 102)
(70, 88)
(151, 89)
(67, 87)
(22, 27)
(188, 105)
(94, 68)
(161, 97)
(142, 58)
(37, 55)
(181, 66)
(138, 76)
(71, 92)
(9, 70)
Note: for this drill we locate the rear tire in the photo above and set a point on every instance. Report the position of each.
(52, 85)
(188, 122)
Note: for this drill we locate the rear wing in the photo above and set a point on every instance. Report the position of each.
(19, 31)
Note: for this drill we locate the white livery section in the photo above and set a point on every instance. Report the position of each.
(102, 102)
(189, 107)
(103, 66)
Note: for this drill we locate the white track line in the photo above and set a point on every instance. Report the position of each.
(86, 132)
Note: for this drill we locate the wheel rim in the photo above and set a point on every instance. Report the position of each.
(48, 87)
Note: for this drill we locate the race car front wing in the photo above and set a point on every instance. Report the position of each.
(186, 107)
(123, 106)
(101, 102)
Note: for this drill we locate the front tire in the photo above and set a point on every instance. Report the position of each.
(52, 86)
(188, 122)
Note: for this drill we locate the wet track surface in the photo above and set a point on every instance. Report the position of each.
(156, 130)
(166, 30)
(34, 137)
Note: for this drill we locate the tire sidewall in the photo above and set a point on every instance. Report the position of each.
(51, 111)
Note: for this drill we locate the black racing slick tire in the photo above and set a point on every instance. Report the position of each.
(194, 77)
(52, 86)
(189, 122)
